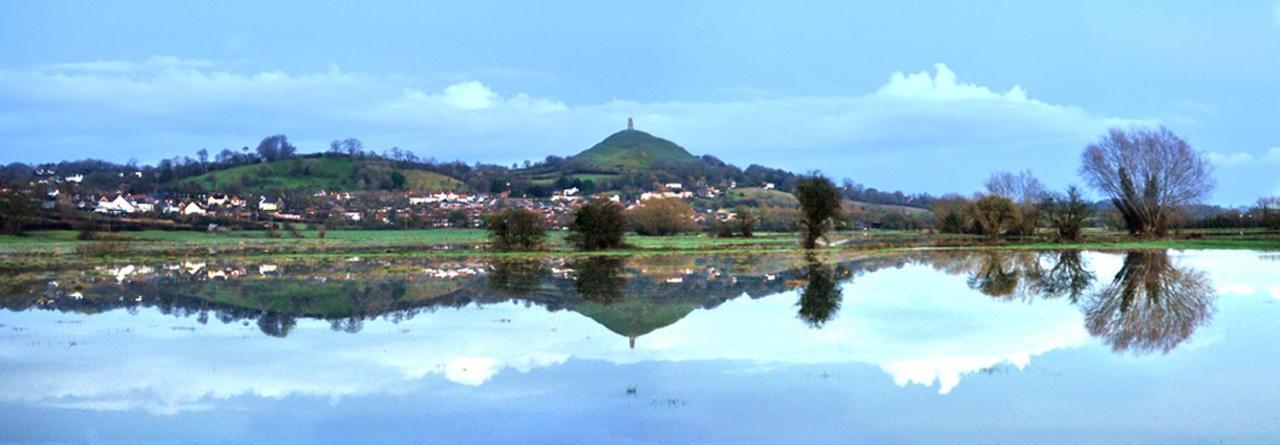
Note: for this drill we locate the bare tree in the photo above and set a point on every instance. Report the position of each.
(1024, 190)
(1148, 173)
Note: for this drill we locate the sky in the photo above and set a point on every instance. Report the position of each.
(926, 97)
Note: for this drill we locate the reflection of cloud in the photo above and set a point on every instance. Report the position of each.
(918, 325)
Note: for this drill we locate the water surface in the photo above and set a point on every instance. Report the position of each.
(967, 347)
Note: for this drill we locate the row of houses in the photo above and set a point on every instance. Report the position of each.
(127, 204)
(439, 209)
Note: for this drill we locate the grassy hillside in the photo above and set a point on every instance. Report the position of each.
(329, 173)
(633, 150)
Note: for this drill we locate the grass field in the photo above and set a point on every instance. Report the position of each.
(328, 173)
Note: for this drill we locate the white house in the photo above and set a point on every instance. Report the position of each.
(192, 208)
(216, 200)
(117, 206)
(268, 205)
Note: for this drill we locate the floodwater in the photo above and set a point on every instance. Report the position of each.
(924, 347)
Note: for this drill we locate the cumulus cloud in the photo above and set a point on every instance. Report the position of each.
(944, 86)
(924, 121)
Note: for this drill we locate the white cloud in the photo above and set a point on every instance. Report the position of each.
(943, 85)
(1229, 160)
(1273, 155)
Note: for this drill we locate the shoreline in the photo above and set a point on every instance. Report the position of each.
(59, 248)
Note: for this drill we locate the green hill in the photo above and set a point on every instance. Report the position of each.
(335, 173)
(633, 150)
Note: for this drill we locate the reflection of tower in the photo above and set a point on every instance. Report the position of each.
(630, 126)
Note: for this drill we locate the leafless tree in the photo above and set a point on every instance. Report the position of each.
(1024, 190)
(1148, 173)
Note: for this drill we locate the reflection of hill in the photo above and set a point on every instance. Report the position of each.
(631, 298)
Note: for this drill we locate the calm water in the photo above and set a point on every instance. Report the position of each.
(956, 347)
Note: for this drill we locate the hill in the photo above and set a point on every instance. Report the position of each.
(335, 173)
(633, 150)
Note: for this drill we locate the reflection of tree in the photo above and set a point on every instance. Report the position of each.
(820, 298)
(600, 279)
(516, 276)
(1068, 277)
(995, 275)
(276, 324)
(1151, 305)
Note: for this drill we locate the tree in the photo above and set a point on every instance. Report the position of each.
(1024, 190)
(819, 206)
(994, 214)
(1268, 211)
(16, 211)
(203, 156)
(516, 229)
(598, 225)
(746, 219)
(954, 214)
(1066, 213)
(1148, 174)
(662, 217)
(276, 147)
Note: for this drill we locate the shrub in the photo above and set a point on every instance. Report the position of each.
(1067, 214)
(994, 214)
(597, 226)
(721, 229)
(516, 229)
(321, 231)
(87, 231)
(662, 217)
(292, 230)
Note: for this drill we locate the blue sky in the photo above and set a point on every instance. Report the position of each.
(922, 97)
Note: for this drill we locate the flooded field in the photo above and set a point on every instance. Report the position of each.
(1145, 346)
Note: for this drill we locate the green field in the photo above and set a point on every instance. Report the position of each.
(327, 173)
